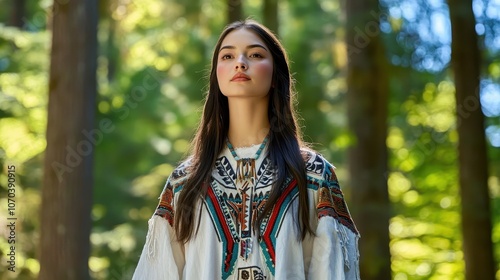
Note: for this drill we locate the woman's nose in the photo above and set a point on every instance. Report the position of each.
(241, 63)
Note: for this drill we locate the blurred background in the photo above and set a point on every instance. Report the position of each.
(376, 94)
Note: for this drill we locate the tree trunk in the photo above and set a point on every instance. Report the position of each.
(17, 15)
(234, 10)
(367, 98)
(473, 162)
(270, 11)
(67, 182)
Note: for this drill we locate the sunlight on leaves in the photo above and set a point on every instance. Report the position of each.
(147, 185)
(97, 264)
(17, 141)
(398, 185)
(437, 110)
(395, 138)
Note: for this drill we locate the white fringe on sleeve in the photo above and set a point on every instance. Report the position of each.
(160, 258)
(335, 253)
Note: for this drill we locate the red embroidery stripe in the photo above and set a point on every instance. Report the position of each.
(273, 218)
(225, 228)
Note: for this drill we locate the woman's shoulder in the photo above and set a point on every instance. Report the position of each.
(181, 171)
(317, 166)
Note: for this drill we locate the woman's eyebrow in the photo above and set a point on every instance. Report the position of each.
(248, 47)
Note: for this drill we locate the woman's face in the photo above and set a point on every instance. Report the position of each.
(244, 65)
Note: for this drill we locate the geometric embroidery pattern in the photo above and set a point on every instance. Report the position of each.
(271, 226)
(231, 212)
(224, 203)
(250, 273)
(165, 207)
(330, 197)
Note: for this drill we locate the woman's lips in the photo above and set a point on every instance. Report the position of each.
(240, 77)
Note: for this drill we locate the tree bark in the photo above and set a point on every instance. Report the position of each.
(18, 13)
(67, 182)
(270, 12)
(473, 162)
(367, 98)
(234, 10)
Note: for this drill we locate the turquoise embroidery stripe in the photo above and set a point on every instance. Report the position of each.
(268, 243)
(229, 249)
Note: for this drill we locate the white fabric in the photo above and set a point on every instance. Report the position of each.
(331, 254)
(335, 254)
(247, 152)
(162, 255)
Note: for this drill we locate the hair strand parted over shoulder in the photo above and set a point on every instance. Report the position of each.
(284, 145)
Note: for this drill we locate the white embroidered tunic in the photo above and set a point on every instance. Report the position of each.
(227, 247)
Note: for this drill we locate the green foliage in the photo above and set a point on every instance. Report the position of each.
(153, 65)
(423, 187)
(23, 102)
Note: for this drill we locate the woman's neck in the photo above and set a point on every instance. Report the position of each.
(248, 121)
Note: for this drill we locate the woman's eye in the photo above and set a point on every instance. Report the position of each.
(256, 55)
(226, 56)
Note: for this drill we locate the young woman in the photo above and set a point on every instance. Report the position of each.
(252, 202)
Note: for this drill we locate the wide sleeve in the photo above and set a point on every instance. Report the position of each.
(162, 256)
(335, 253)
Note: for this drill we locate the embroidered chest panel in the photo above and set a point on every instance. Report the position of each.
(233, 204)
(233, 207)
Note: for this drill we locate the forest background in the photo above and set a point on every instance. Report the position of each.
(152, 61)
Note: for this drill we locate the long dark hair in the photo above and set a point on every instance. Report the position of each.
(284, 138)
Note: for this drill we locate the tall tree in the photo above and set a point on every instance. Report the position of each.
(367, 98)
(472, 154)
(270, 12)
(67, 182)
(234, 10)
(18, 13)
